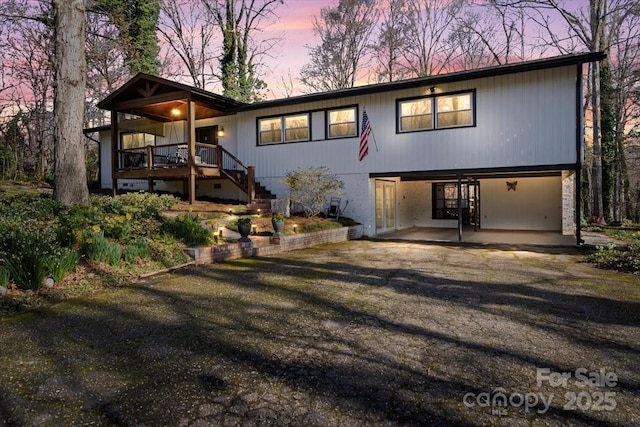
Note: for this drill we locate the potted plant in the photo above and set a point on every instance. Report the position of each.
(244, 228)
(277, 221)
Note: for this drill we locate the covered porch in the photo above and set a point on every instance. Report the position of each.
(155, 135)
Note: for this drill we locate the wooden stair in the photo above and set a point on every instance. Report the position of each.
(262, 199)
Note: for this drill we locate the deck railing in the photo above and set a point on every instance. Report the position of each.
(177, 155)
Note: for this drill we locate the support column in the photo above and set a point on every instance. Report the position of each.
(459, 208)
(191, 125)
(114, 152)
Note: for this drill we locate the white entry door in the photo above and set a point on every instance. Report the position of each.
(385, 206)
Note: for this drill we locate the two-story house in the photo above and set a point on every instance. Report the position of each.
(492, 148)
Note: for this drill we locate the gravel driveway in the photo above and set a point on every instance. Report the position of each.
(360, 333)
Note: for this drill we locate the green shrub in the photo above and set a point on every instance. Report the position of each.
(233, 225)
(138, 205)
(187, 229)
(73, 220)
(61, 263)
(99, 249)
(138, 249)
(609, 256)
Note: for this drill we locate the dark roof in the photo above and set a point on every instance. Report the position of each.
(160, 86)
(538, 64)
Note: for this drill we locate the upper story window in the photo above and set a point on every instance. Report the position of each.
(137, 140)
(270, 131)
(436, 112)
(341, 123)
(416, 114)
(454, 110)
(296, 128)
(276, 130)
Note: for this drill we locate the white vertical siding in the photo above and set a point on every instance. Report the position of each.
(522, 119)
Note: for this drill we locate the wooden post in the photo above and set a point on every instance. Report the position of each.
(459, 208)
(114, 152)
(191, 121)
(251, 183)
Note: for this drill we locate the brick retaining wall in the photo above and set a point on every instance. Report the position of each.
(274, 245)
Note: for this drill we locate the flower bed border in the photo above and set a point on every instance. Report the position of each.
(260, 246)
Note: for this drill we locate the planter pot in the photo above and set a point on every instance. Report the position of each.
(244, 230)
(278, 227)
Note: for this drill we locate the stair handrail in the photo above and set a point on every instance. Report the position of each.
(249, 186)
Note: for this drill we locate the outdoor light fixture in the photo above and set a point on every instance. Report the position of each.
(295, 228)
(432, 89)
(175, 112)
(220, 231)
(220, 131)
(253, 228)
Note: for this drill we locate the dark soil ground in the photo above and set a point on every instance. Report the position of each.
(359, 333)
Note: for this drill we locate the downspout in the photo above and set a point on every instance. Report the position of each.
(579, 154)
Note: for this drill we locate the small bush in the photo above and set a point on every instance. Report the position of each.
(187, 229)
(99, 249)
(62, 263)
(138, 249)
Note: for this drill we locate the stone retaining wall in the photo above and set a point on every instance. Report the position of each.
(274, 245)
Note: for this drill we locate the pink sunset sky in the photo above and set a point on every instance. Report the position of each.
(295, 24)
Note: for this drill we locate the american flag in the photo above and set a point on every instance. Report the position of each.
(364, 135)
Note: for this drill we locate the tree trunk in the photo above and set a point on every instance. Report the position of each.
(596, 171)
(70, 82)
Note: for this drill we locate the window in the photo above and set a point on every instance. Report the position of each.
(270, 131)
(454, 111)
(137, 140)
(445, 200)
(296, 128)
(416, 115)
(448, 110)
(342, 123)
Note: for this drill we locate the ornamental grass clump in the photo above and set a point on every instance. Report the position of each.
(98, 248)
(25, 255)
(62, 262)
(138, 249)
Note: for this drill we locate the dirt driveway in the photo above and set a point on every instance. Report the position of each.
(360, 333)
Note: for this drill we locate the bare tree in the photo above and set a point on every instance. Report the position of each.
(429, 24)
(242, 52)
(71, 69)
(392, 39)
(106, 66)
(590, 27)
(345, 34)
(189, 29)
(489, 34)
(28, 47)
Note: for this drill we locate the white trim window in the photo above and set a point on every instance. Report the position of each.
(275, 130)
(341, 123)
